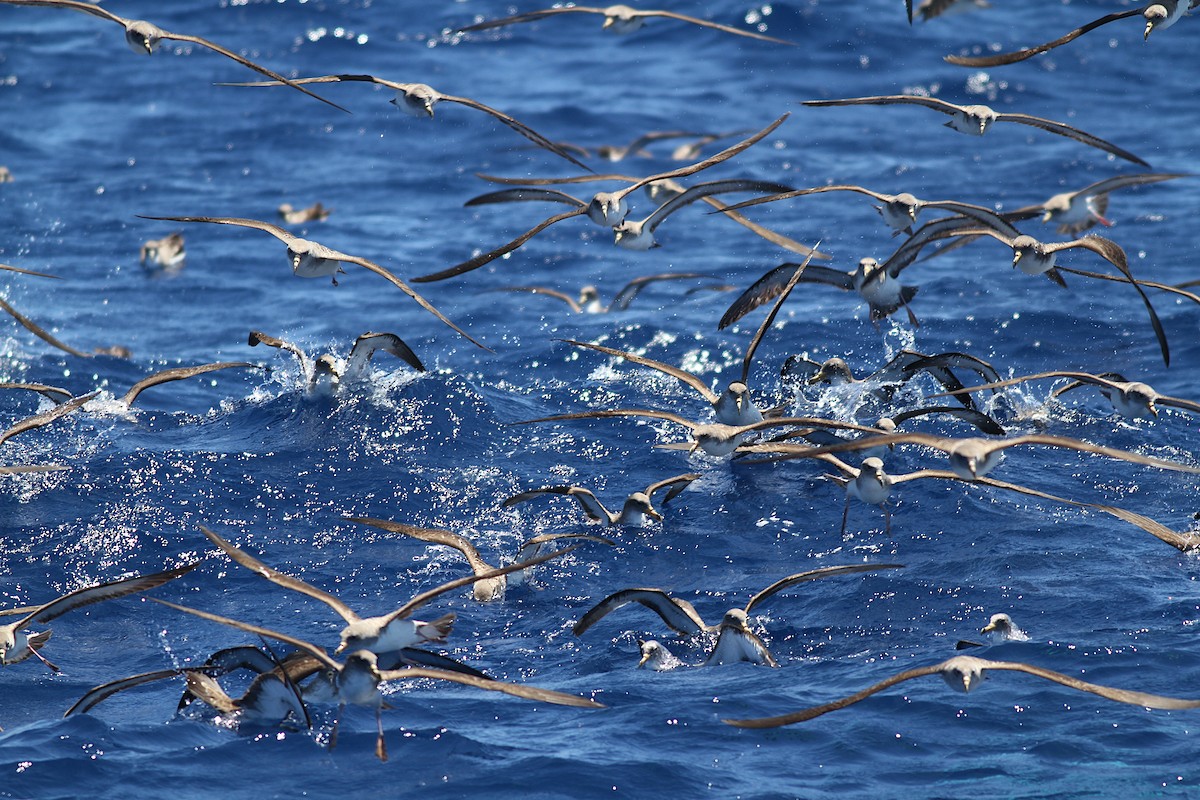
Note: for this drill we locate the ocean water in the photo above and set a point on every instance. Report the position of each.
(95, 135)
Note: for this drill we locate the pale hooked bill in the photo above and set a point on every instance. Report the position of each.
(1159, 15)
(977, 119)
(735, 641)
(418, 100)
(16, 645)
(965, 673)
(619, 19)
(356, 682)
(489, 583)
(143, 38)
(607, 209)
(637, 508)
(311, 259)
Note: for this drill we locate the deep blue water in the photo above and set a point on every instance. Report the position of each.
(94, 135)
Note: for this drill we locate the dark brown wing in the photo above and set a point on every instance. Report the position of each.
(1021, 55)
(39, 332)
(816, 711)
(675, 372)
(812, 575)
(178, 374)
(104, 591)
(280, 578)
(480, 260)
(46, 417)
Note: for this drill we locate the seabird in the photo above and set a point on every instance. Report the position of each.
(735, 641)
(929, 9)
(715, 439)
(311, 259)
(1034, 257)
(298, 216)
(619, 19)
(661, 190)
(357, 680)
(270, 699)
(16, 645)
(639, 235)
(965, 673)
(900, 369)
(588, 301)
(1186, 542)
(977, 119)
(1075, 212)
(970, 458)
(167, 253)
(329, 367)
(143, 38)
(382, 634)
(1132, 399)
(656, 657)
(1159, 15)
(899, 211)
(489, 582)
(607, 209)
(734, 406)
(638, 506)
(878, 284)
(418, 100)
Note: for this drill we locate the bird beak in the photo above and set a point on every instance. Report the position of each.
(652, 514)
(991, 626)
(1046, 217)
(608, 23)
(1016, 257)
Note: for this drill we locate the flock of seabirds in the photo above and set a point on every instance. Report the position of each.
(291, 674)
